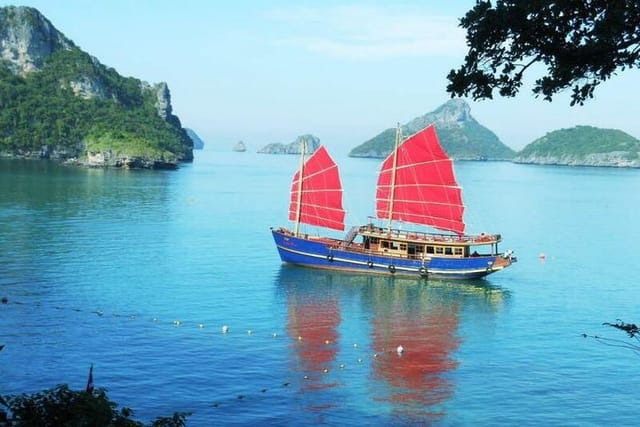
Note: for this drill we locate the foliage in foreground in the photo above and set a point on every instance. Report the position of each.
(632, 331)
(60, 406)
(576, 43)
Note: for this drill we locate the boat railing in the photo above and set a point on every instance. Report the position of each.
(394, 233)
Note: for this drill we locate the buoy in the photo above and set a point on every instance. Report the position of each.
(325, 370)
(299, 338)
(327, 342)
(342, 366)
(249, 332)
(355, 346)
(225, 329)
(375, 354)
(359, 360)
(201, 325)
(400, 350)
(542, 255)
(177, 322)
(275, 335)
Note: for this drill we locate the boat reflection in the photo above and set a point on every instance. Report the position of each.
(327, 312)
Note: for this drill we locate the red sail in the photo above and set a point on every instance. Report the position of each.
(425, 190)
(321, 201)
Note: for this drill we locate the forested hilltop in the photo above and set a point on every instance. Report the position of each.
(583, 146)
(462, 137)
(58, 102)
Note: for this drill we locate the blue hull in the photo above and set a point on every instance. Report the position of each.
(326, 253)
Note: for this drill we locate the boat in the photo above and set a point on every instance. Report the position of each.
(416, 185)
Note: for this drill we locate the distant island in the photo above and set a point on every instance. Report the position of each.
(294, 147)
(240, 147)
(198, 143)
(583, 146)
(462, 137)
(60, 103)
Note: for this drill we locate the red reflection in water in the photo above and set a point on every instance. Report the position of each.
(313, 327)
(417, 376)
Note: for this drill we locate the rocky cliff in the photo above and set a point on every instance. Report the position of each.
(312, 142)
(583, 146)
(27, 39)
(461, 136)
(61, 103)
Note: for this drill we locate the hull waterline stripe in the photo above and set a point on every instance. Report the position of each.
(409, 269)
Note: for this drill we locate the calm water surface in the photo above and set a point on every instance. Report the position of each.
(137, 272)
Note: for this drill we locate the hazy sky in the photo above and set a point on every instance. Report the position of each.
(268, 71)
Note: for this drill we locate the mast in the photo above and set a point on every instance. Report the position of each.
(393, 175)
(303, 148)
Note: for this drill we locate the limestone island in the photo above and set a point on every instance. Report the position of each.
(313, 142)
(239, 147)
(198, 143)
(461, 136)
(583, 146)
(60, 103)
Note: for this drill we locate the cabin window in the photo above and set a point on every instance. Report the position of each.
(374, 240)
(415, 249)
(448, 251)
(430, 249)
(403, 247)
(439, 250)
(390, 245)
(457, 251)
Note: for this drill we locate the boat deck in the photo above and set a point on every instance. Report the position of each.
(421, 237)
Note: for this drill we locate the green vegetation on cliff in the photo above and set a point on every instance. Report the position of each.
(41, 113)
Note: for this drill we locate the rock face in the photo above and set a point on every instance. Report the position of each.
(462, 137)
(28, 38)
(198, 143)
(583, 146)
(295, 147)
(58, 71)
(240, 147)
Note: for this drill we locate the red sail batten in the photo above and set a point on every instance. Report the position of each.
(321, 200)
(425, 190)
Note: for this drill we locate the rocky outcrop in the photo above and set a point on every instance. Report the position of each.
(462, 137)
(239, 147)
(163, 100)
(109, 158)
(27, 39)
(619, 159)
(312, 144)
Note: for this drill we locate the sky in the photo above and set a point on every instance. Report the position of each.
(269, 71)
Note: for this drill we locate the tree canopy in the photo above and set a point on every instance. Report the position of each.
(61, 406)
(582, 43)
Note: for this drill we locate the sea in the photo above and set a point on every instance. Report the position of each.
(168, 283)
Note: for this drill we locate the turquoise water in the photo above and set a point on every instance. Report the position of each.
(137, 273)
